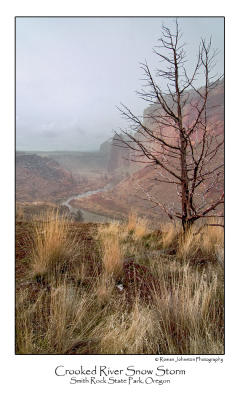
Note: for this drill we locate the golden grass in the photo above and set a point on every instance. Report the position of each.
(169, 234)
(125, 332)
(132, 221)
(136, 225)
(188, 244)
(112, 252)
(53, 251)
(209, 240)
(191, 314)
(213, 237)
(25, 336)
(181, 314)
(63, 321)
(104, 288)
(141, 228)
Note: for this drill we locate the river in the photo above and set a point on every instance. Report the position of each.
(88, 216)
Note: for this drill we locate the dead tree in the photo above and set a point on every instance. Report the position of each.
(176, 135)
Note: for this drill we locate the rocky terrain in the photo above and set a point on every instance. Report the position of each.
(134, 188)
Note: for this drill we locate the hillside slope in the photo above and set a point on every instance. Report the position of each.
(40, 178)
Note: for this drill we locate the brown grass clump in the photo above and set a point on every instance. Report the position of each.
(170, 233)
(212, 237)
(24, 326)
(189, 309)
(188, 244)
(136, 226)
(57, 322)
(112, 255)
(206, 240)
(53, 251)
(132, 221)
(124, 332)
(104, 288)
(141, 228)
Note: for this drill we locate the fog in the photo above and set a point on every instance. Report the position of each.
(71, 73)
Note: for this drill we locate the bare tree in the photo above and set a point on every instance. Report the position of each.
(176, 135)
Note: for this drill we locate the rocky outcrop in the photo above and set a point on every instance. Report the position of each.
(117, 154)
(131, 191)
(105, 147)
(215, 110)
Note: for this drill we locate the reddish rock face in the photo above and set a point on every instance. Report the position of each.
(119, 155)
(130, 191)
(215, 113)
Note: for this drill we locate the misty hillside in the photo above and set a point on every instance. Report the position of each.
(41, 178)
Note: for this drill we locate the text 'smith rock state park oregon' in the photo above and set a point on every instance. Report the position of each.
(119, 185)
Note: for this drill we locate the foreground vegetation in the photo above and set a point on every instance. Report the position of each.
(118, 288)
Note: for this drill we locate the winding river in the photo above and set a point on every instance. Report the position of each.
(87, 215)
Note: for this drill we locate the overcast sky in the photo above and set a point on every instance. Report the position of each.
(71, 73)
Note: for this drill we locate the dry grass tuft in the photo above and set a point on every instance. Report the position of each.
(213, 237)
(53, 251)
(208, 240)
(170, 233)
(104, 288)
(24, 326)
(125, 332)
(132, 221)
(141, 228)
(136, 226)
(188, 244)
(62, 316)
(191, 315)
(112, 255)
